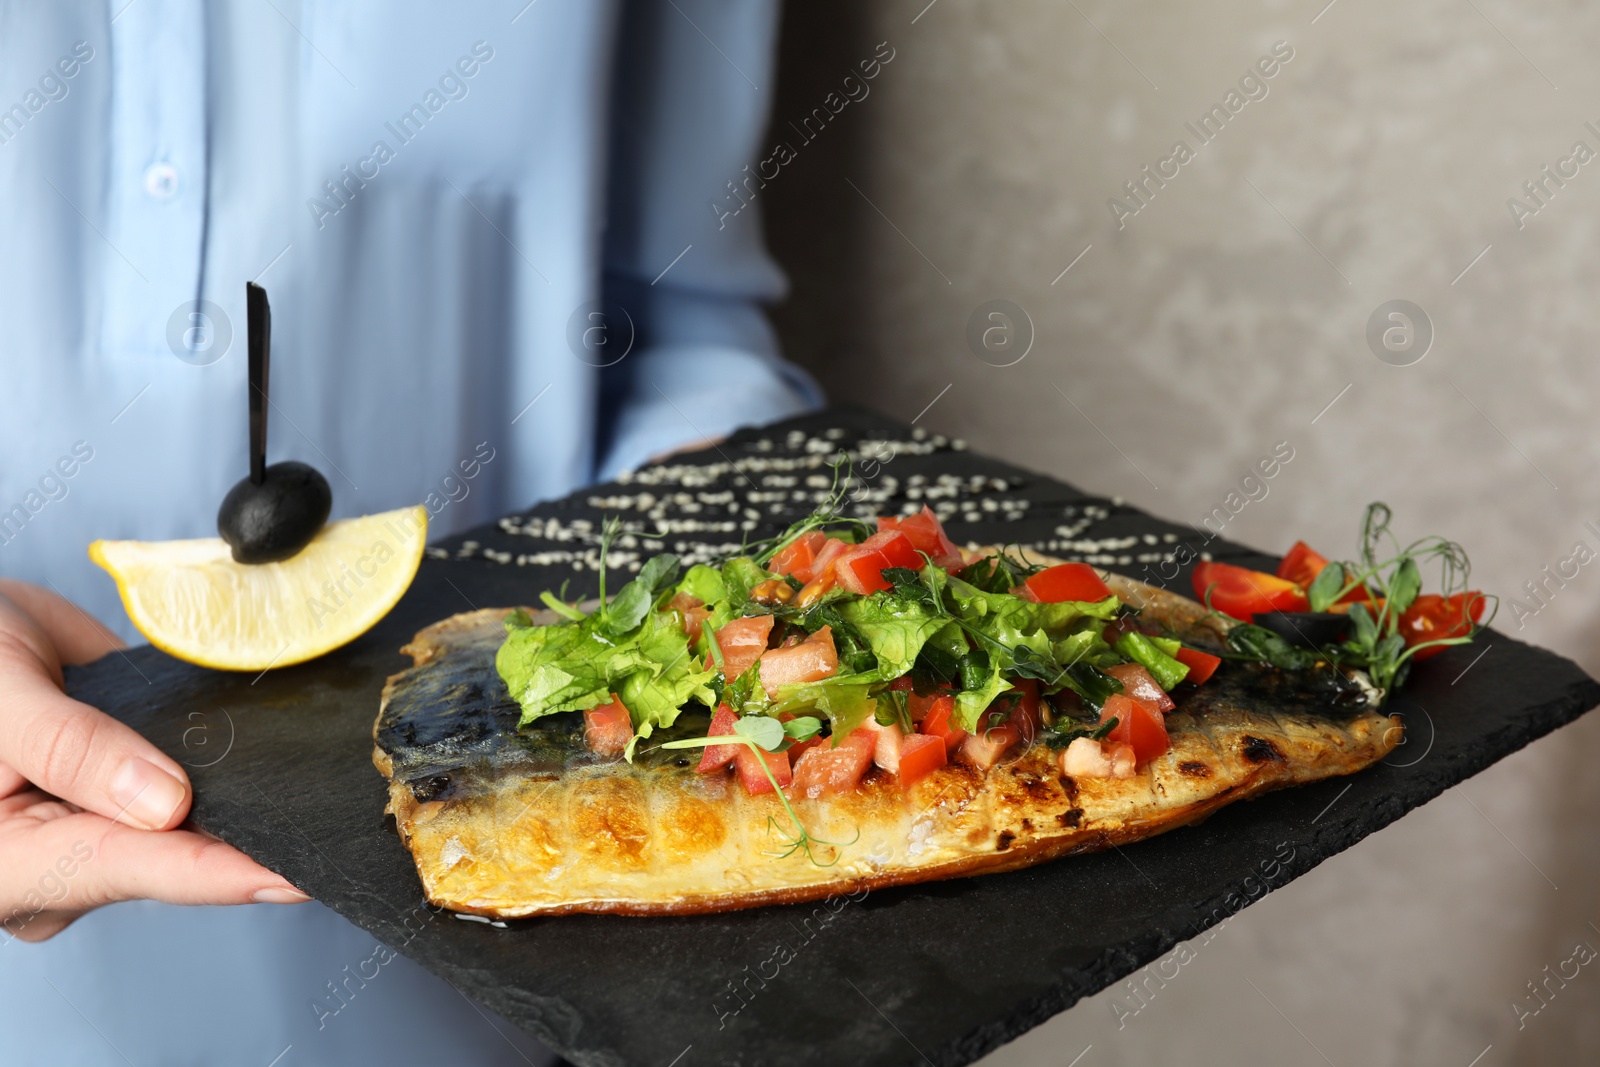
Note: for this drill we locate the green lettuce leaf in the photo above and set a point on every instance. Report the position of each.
(704, 583)
(845, 699)
(1167, 671)
(971, 702)
(548, 669)
(895, 629)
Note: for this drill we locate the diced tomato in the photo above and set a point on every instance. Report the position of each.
(886, 743)
(800, 748)
(1137, 683)
(1136, 725)
(920, 756)
(902, 683)
(1067, 581)
(1302, 564)
(937, 720)
(1432, 617)
(1025, 715)
(860, 569)
(692, 611)
(1088, 758)
(927, 534)
(984, 748)
(608, 728)
(754, 778)
(811, 660)
(717, 757)
(797, 557)
(919, 706)
(1243, 593)
(829, 769)
(823, 574)
(742, 642)
(1202, 665)
(832, 548)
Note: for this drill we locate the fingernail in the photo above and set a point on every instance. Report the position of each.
(147, 794)
(279, 895)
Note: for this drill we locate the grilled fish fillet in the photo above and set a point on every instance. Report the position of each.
(508, 824)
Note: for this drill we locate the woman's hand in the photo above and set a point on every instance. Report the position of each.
(87, 806)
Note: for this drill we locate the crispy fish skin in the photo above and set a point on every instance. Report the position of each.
(506, 827)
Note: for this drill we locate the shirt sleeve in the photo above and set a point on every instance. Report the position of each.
(686, 271)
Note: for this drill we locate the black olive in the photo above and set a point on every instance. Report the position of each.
(271, 521)
(1307, 629)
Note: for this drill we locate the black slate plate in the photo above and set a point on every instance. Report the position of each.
(282, 769)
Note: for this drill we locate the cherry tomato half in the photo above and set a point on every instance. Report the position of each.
(1243, 593)
(1432, 617)
(1202, 665)
(1302, 564)
(1068, 581)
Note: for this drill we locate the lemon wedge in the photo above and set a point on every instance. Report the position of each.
(194, 602)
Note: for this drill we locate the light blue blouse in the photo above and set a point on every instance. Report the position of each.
(486, 229)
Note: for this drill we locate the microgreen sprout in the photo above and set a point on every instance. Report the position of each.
(1389, 577)
(827, 514)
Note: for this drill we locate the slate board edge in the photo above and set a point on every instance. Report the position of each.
(1119, 962)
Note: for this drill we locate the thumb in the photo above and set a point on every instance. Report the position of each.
(69, 749)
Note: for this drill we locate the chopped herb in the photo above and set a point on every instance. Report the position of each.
(1061, 734)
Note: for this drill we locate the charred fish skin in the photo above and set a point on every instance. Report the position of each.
(510, 824)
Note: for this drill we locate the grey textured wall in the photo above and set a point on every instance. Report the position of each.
(1226, 315)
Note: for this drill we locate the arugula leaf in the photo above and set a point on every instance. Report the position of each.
(1258, 642)
(1029, 664)
(1060, 735)
(852, 647)
(935, 667)
(975, 669)
(745, 693)
(973, 699)
(996, 573)
(908, 583)
(894, 710)
(1091, 683)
